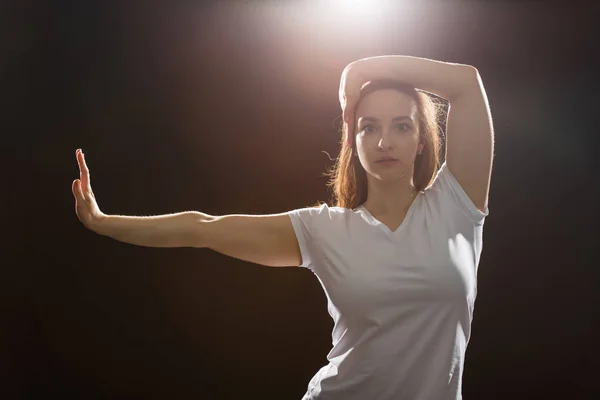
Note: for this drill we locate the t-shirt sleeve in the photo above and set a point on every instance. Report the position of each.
(453, 192)
(303, 221)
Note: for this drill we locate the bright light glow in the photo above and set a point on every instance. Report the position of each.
(356, 5)
(353, 8)
(305, 44)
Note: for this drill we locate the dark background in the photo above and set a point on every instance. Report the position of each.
(227, 109)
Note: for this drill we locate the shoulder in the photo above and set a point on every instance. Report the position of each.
(325, 210)
(323, 215)
(447, 195)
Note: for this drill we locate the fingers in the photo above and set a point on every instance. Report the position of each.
(347, 115)
(84, 173)
(349, 118)
(75, 189)
(348, 134)
(78, 191)
(349, 126)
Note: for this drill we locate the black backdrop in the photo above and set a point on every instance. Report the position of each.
(181, 106)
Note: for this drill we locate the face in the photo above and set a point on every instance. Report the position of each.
(387, 126)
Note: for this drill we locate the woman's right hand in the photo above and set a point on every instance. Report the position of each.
(86, 207)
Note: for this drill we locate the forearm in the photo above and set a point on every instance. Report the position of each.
(447, 80)
(171, 230)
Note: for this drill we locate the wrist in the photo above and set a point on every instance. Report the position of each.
(100, 224)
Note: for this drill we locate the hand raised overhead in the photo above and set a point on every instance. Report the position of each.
(349, 94)
(86, 207)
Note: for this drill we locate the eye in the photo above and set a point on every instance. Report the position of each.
(403, 127)
(368, 128)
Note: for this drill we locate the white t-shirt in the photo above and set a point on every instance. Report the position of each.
(402, 302)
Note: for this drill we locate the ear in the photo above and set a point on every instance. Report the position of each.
(420, 148)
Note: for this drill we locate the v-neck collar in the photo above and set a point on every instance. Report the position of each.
(383, 226)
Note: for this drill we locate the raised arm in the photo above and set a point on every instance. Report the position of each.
(469, 130)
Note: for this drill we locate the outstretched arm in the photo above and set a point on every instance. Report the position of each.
(261, 239)
(469, 130)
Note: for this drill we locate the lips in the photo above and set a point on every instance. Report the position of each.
(386, 159)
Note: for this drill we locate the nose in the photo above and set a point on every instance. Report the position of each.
(385, 141)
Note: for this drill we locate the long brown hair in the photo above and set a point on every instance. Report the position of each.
(348, 179)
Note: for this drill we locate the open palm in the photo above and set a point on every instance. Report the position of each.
(86, 207)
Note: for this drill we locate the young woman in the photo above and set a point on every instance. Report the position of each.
(397, 253)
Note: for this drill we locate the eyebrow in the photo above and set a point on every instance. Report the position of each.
(401, 117)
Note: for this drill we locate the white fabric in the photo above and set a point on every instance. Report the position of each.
(402, 302)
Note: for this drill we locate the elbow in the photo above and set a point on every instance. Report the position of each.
(198, 234)
(467, 80)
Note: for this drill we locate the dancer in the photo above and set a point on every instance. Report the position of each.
(398, 249)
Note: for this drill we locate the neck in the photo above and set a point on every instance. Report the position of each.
(390, 197)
